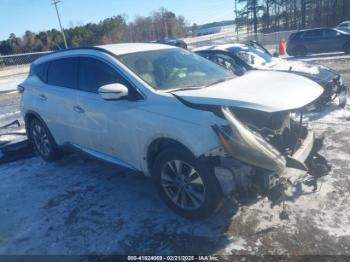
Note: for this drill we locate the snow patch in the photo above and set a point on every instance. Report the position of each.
(235, 244)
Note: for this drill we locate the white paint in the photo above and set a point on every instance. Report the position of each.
(265, 91)
(128, 48)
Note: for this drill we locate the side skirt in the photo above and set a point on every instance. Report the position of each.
(99, 155)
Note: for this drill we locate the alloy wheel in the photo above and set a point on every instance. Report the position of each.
(183, 185)
(41, 139)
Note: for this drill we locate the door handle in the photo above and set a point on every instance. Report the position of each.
(42, 97)
(78, 109)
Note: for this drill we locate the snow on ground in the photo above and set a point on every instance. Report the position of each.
(10, 83)
(84, 206)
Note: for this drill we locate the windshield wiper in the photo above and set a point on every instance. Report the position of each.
(184, 89)
(220, 81)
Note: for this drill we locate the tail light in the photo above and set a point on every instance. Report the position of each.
(20, 89)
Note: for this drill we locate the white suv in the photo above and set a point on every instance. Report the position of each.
(199, 131)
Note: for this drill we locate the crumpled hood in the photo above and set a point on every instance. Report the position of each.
(316, 72)
(259, 90)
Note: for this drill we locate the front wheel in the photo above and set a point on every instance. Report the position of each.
(347, 49)
(185, 184)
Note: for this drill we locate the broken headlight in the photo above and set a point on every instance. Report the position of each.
(248, 146)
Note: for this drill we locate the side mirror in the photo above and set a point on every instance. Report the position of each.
(113, 91)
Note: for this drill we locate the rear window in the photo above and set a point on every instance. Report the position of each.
(41, 71)
(62, 72)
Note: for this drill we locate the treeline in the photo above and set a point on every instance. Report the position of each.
(159, 24)
(275, 15)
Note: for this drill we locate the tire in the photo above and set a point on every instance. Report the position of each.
(200, 194)
(43, 142)
(347, 48)
(299, 51)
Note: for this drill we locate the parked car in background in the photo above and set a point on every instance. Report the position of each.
(196, 128)
(320, 40)
(344, 26)
(175, 42)
(240, 58)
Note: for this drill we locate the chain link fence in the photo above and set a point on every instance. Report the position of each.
(19, 62)
(270, 40)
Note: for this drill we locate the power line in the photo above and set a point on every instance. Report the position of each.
(55, 2)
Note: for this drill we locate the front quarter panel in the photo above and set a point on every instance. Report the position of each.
(173, 120)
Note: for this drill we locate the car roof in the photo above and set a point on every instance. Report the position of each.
(344, 22)
(314, 29)
(224, 47)
(128, 48)
(113, 49)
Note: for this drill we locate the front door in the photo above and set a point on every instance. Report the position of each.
(105, 127)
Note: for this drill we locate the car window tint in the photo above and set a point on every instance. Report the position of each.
(312, 34)
(41, 71)
(62, 72)
(224, 60)
(94, 73)
(329, 33)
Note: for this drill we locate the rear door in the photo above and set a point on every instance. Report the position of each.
(58, 97)
(313, 40)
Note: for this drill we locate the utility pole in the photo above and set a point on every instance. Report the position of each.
(236, 15)
(55, 2)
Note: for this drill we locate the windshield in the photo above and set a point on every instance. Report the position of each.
(175, 69)
(252, 56)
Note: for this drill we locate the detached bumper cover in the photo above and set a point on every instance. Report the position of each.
(305, 151)
(343, 95)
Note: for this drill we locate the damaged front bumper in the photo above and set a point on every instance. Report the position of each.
(336, 89)
(268, 166)
(343, 95)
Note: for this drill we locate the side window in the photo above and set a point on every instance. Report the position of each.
(62, 72)
(312, 34)
(41, 71)
(94, 73)
(329, 33)
(226, 62)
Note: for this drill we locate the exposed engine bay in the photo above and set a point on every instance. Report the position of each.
(262, 147)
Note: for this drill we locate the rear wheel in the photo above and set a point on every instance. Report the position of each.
(185, 184)
(347, 48)
(43, 141)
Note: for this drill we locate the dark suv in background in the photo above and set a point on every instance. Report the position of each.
(320, 40)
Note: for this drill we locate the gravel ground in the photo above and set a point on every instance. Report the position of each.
(84, 206)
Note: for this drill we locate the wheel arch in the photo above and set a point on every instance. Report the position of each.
(346, 45)
(29, 116)
(158, 145)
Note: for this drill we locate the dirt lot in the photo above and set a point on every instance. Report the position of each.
(83, 206)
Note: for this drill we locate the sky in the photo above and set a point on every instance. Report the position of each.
(17, 16)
